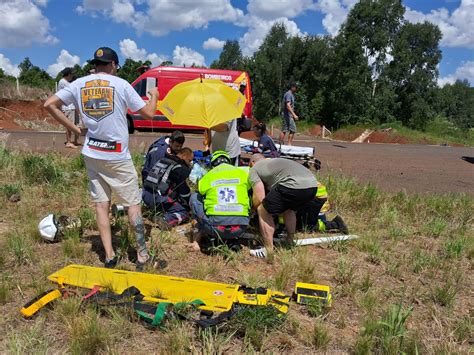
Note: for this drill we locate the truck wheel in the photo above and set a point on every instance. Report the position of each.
(131, 127)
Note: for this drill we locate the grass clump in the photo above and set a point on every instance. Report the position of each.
(344, 272)
(71, 245)
(254, 323)
(204, 269)
(8, 190)
(39, 169)
(453, 248)
(87, 335)
(464, 329)
(384, 336)
(5, 292)
(445, 295)
(29, 341)
(20, 247)
(320, 337)
(178, 337)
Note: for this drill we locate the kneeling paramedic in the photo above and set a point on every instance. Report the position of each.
(222, 206)
(165, 190)
(160, 148)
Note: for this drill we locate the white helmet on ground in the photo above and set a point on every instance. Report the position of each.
(48, 228)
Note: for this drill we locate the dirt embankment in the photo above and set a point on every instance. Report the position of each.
(24, 115)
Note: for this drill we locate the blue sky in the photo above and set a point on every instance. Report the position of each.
(58, 33)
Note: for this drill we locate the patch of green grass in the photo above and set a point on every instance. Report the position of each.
(204, 269)
(8, 190)
(39, 169)
(420, 261)
(5, 289)
(87, 217)
(344, 272)
(214, 341)
(386, 335)
(445, 295)
(87, 335)
(254, 323)
(435, 227)
(178, 337)
(33, 340)
(453, 248)
(320, 337)
(464, 329)
(366, 283)
(20, 246)
(71, 245)
(316, 308)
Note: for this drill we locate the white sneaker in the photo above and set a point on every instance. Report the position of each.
(259, 253)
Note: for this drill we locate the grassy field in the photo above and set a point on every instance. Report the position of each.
(404, 286)
(437, 132)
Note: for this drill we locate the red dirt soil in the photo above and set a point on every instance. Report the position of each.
(16, 110)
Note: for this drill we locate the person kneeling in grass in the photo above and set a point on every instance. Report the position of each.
(290, 186)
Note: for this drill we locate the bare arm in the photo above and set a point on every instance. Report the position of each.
(148, 111)
(258, 194)
(53, 106)
(288, 106)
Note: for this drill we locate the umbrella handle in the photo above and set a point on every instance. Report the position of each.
(207, 137)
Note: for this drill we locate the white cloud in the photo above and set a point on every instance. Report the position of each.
(270, 10)
(457, 27)
(187, 56)
(129, 49)
(41, 2)
(259, 28)
(213, 43)
(65, 59)
(22, 23)
(8, 67)
(335, 13)
(159, 17)
(465, 71)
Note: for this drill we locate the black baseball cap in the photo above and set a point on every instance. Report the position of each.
(104, 55)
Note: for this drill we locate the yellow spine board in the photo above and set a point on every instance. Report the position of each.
(39, 302)
(217, 297)
(271, 298)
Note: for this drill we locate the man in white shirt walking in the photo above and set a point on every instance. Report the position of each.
(103, 98)
(69, 110)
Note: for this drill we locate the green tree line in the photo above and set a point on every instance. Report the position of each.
(378, 69)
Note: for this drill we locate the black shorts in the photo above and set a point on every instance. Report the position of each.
(281, 199)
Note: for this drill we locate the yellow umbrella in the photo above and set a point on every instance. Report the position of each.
(202, 102)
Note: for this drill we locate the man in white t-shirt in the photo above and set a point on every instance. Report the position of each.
(102, 99)
(225, 137)
(69, 110)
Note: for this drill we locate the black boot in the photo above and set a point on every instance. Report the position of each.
(337, 224)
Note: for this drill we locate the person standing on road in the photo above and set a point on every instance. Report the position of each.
(69, 110)
(280, 187)
(103, 99)
(289, 115)
(224, 137)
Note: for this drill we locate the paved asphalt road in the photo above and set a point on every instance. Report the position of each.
(413, 168)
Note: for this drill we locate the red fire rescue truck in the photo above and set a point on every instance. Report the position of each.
(167, 77)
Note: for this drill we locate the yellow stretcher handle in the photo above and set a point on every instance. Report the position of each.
(39, 302)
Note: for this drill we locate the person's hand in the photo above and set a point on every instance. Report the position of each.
(153, 92)
(296, 117)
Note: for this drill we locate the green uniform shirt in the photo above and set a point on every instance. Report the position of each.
(225, 190)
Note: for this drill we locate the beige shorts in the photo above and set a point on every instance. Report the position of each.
(117, 176)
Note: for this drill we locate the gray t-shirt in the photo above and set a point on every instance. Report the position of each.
(288, 97)
(284, 172)
(227, 141)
